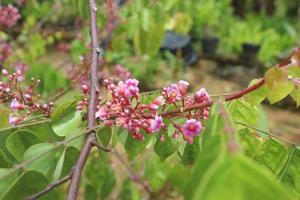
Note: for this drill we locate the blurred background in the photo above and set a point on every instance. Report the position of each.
(218, 44)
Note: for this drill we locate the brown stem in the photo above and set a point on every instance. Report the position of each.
(75, 179)
(50, 187)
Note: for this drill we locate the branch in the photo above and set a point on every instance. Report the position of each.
(75, 179)
(50, 187)
(267, 133)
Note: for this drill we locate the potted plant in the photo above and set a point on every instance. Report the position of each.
(207, 18)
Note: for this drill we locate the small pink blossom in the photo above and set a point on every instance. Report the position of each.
(156, 103)
(192, 127)
(202, 96)
(155, 124)
(85, 89)
(182, 86)
(102, 113)
(4, 72)
(16, 105)
(171, 93)
(14, 120)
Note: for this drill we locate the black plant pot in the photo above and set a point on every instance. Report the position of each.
(250, 52)
(210, 45)
(174, 43)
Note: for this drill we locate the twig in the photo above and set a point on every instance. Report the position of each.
(267, 133)
(24, 125)
(75, 179)
(61, 93)
(50, 187)
(132, 175)
(95, 144)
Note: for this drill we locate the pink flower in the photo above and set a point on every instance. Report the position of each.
(4, 72)
(171, 93)
(102, 113)
(14, 120)
(132, 82)
(202, 96)
(16, 105)
(192, 127)
(128, 89)
(156, 124)
(182, 86)
(156, 103)
(85, 88)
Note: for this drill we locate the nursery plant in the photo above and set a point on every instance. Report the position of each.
(176, 144)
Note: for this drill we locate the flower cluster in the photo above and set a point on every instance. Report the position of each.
(23, 101)
(176, 94)
(9, 15)
(124, 108)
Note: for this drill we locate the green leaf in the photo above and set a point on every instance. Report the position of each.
(295, 94)
(191, 152)
(148, 42)
(3, 160)
(212, 156)
(44, 164)
(164, 148)
(179, 176)
(242, 111)
(273, 154)
(277, 81)
(291, 173)
(294, 71)
(43, 131)
(104, 134)
(65, 119)
(262, 120)
(250, 142)
(257, 96)
(65, 163)
(28, 184)
(4, 117)
(7, 181)
(129, 191)
(156, 172)
(99, 176)
(134, 147)
(239, 178)
(17, 143)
